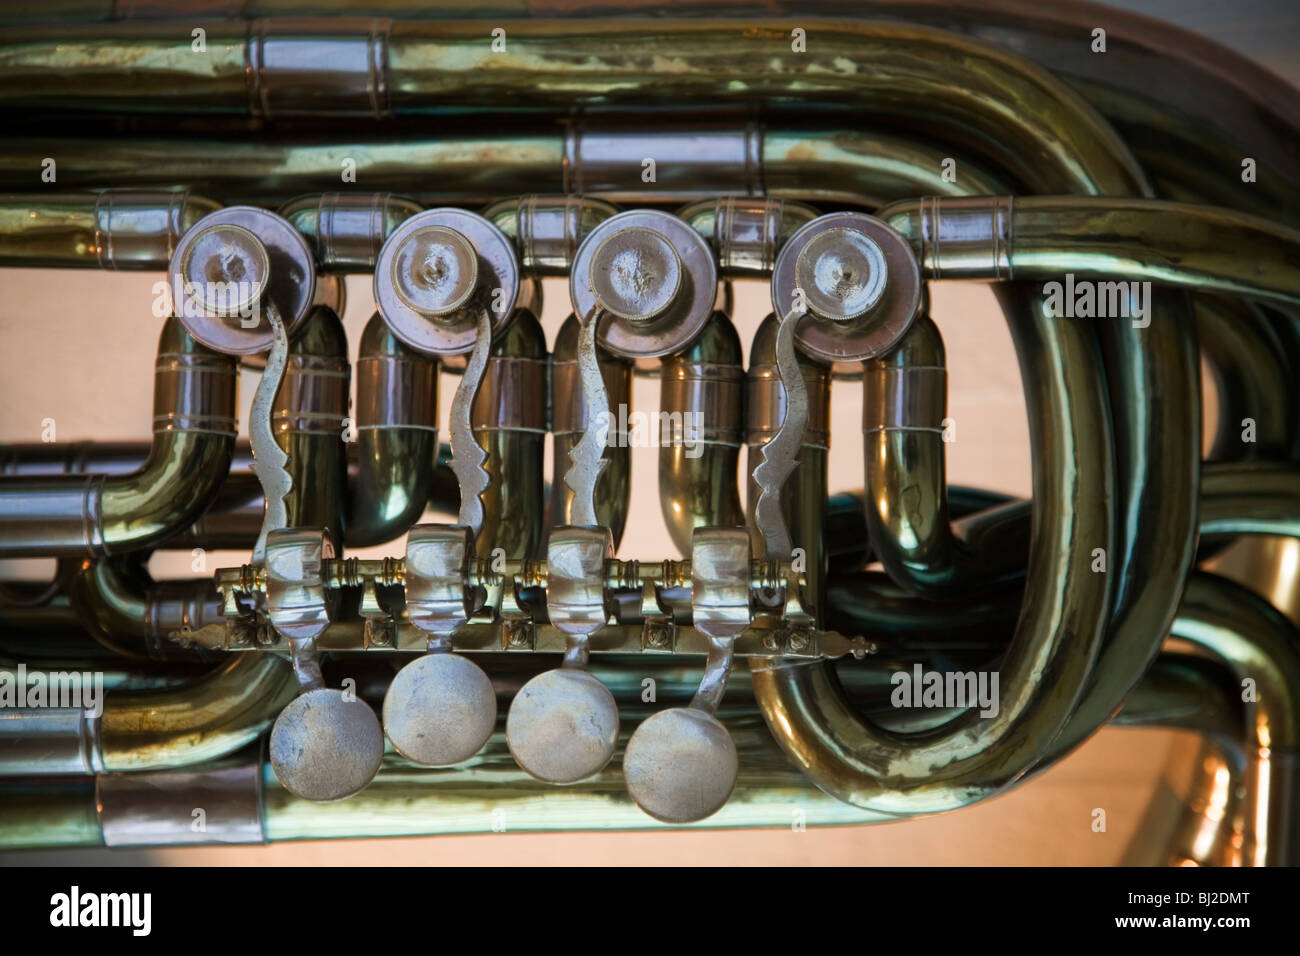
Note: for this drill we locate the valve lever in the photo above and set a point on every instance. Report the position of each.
(681, 764)
(588, 454)
(563, 724)
(269, 459)
(440, 709)
(467, 455)
(326, 744)
(780, 454)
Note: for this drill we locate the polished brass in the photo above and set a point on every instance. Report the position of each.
(700, 448)
(990, 167)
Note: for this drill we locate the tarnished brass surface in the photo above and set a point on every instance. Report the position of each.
(1069, 598)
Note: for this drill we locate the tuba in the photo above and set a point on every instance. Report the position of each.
(406, 636)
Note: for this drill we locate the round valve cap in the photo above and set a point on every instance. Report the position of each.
(857, 279)
(230, 267)
(225, 269)
(680, 765)
(842, 271)
(636, 273)
(326, 746)
(562, 726)
(435, 271)
(440, 710)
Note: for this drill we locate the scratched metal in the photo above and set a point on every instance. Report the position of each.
(588, 455)
(269, 459)
(780, 454)
(467, 455)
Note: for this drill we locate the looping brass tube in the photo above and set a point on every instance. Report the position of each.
(700, 448)
(91, 515)
(396, 437)
(904, 408)
(176, 726)
(509, 421)
(1057, 637)
(1249, 367)
(569, 421)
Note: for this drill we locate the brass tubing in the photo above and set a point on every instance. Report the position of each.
(178, 726)
(405, 800)
(509, 421)
(217, 715)
(887, 70)
(1262, 649)
(547, 230)
(307, 418)
(699, 449)
(904, 408)
(346, 230)
(396, 438)
(1252, 381)
(569, 421)
(820, 165)
(746, 234)
(1057, 637)
(804, 495)
(113, 229)
(1250, 498)
(1205, 248)
(122, 608)
(90, 515)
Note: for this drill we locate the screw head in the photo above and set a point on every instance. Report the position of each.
(435, 271)
(636, 273)
(842, 272)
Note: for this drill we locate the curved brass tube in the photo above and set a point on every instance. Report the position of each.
(307, 416)
(175, 726)
(110, 229)
(89, 515)
(1057, 637)
(121, 607)
(703, 385)
(1205, 248)
(509, 421)
(714, 62)
(1252, 380)
(803, 497)
(1250, 498)
(397, 437)
(904, 408)
(215, 716)
(1262, 649)
(569, 420)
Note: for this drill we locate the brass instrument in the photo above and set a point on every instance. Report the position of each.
(1135, 212)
